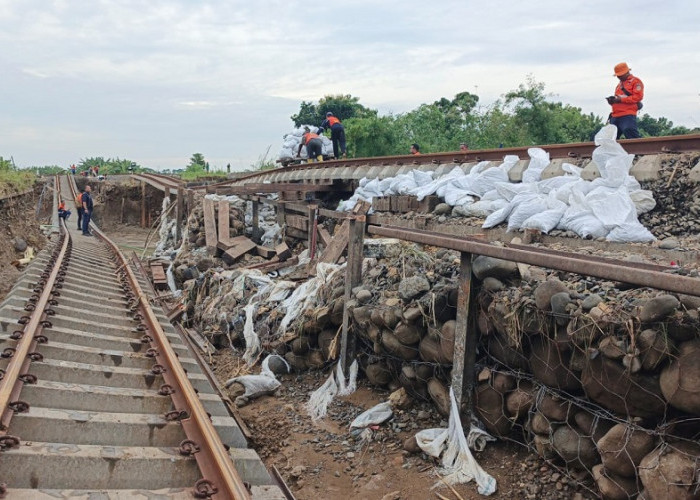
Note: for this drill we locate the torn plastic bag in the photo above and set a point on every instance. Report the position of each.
(376, 415)
(458, 464)
(317, 406)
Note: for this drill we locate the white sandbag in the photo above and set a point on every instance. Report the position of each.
(509, 190)
(612, 207)
(258, 385)
(630, 231)
(643, 200)
(539, 159)
(548, 219)
(525, 206)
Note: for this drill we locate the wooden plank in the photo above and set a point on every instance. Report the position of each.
(241, 246)
(353, 277)
(283, 251)
(210, 226)
(324, 236)
(265, 252)
(274, 264)
(465, 339)
(334, 214)
(428, 204)
(298, 222)
(293, 232)
(334, 250)
(382, 203)
(224, 232)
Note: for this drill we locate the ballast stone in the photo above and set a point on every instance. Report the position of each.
(382, 248)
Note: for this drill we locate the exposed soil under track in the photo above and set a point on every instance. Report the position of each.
(322, 460)
(19, 220)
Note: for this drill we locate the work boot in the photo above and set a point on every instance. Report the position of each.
(319, 158)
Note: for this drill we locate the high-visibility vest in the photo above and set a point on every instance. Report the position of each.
(79, 200)
(332, 120)
(308, 136)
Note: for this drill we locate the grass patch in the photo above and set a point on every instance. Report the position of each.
(15, 181)
(197, 175)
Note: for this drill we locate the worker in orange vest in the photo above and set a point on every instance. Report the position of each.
(314, 146)
(626, 102)
(62, 212)
(337, 134)
(415, 149)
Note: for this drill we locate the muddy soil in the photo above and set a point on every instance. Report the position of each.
(20, 219)
(322, 460)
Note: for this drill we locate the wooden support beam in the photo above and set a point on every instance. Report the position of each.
(255, 209)
(190, 201)
(224, 231)
(324, 236)
(334, 250)
(281, 214)
(210, 226)
(465, 340)
(179, 212)
(353, 277)
(143, 204)
(241, 246)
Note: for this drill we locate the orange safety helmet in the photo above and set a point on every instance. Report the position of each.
(621, 69)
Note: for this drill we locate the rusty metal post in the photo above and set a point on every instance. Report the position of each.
(143, 204)
(465, 339)
(179, 210)
(353, 277)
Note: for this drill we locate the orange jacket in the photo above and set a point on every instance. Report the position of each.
(332, 120)
(628, 103)
(308, 136)
(61, 206)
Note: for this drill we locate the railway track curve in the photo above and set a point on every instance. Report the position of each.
(101, 396)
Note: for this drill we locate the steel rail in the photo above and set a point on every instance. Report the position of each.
(599, 267)
(9, 384)
(643, 146)
(211, 456)
(158, 181)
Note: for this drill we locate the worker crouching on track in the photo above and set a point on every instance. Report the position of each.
(626, 102)
(337, 134)
(62, 212)
(314, 146)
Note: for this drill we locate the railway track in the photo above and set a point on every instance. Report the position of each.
(354, 169)
(100, 396)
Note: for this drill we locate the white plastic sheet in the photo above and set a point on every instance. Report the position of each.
(458, 464)
(261, 384)
(335, 384)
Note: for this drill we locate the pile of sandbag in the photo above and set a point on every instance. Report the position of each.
(293, 139)
(606, 207)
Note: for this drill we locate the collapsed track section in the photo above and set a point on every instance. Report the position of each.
(100, 394)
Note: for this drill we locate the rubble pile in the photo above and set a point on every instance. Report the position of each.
(677, 192)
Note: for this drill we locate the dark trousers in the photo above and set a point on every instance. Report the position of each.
(80, 218)
(626, 125)
(338, 138)
(86, 222)
(314, 149)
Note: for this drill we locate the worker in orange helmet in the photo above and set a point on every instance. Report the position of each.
(626, 102)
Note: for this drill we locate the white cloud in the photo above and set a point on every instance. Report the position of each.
(160, 80)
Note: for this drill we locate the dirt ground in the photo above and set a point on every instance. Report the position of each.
(19, 219)
(322, 460)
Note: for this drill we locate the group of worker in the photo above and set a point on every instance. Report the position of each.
(84, 204)
(625, 102)
(312, 141)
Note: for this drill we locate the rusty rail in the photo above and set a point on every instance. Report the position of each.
(221, 480)
(634, 273)
(644, 146)
(16, 374)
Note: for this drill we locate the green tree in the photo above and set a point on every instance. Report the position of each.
(344, 106)
(656, 127)
(5, 165)
(548, 122)
(372, 136)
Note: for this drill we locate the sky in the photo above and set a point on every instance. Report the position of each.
(155, 82)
